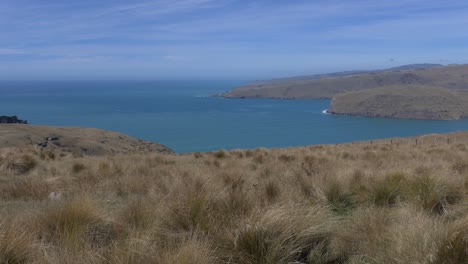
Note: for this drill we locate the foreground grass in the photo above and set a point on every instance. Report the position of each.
(353, 203)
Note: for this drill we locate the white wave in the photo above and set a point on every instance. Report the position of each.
(325, 112)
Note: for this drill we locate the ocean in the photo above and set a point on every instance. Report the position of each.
(184, 115)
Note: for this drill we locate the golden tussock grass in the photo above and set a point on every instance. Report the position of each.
(383, 202)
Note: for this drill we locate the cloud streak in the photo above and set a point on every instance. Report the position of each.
(229, 34)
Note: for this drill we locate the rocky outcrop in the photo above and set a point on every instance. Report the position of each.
(11, 120)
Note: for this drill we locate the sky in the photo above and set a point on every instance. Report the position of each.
(224, 39)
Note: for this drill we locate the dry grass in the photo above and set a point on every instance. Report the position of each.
(351, 203)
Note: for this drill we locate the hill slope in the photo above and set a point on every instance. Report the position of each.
(88, 141)
(400, 201)
(327, 86)
(410, 101)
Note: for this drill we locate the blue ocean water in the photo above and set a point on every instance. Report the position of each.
(184, 116)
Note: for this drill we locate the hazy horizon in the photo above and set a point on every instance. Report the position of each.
(223, 39)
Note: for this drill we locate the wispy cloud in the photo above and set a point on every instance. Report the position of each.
(262, 36)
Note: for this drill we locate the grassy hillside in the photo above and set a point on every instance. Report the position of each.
(393, 201)
(74, 140)
(327, 86)
(409, 101)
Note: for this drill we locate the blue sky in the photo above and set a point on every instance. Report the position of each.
(224, 39)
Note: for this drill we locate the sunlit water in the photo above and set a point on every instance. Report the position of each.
(184, 116)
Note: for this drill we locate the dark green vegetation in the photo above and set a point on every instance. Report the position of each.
(11, 120)
(433, 77)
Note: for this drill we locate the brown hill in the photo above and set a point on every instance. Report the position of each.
(76, 140)
(409, 101)
(327, 86)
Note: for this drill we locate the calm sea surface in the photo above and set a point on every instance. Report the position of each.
(184, 116)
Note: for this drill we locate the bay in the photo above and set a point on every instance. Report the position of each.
(184, 115)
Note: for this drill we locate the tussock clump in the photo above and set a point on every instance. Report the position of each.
(190, 212)
(454, 247)
(286, 158)
(272, 191)
(413, 235)
(127, 186)
(285, 234)
(359, 186)
(336, 195)
(78, 167)
(313, 165)
(198, 155)
(460, 167)
(217, 164)
(16, 244)
(433, 194)
(21, 165)
(138, 214)
(29, 188)
(460, 147)
(188, 216)
(155, 161)
(75, 225)
(363, 235)
(192, 251)
(234, 182)
(305, 186)
(388, 191)
(47, 155)
(238, 154)
(347, 155)
(220, 154)
(388, 235)
(249, 153)
(259, 158)
(104, 169)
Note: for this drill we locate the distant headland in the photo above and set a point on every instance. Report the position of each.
(421, 91)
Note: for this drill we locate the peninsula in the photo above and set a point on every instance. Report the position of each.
(428, 91)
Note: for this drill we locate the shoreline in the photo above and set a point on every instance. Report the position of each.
(451, 136)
